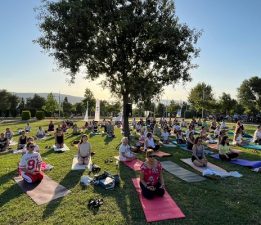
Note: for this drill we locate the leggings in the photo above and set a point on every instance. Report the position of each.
(150, 194)
(230, 155)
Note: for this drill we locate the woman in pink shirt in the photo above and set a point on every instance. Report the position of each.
(151, 178)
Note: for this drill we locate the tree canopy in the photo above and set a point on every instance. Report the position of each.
(201, 97)
(249, 94)
(138, 47)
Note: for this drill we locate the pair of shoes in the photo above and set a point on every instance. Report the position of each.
(95, 203)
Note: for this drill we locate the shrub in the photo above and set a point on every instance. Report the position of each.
(39, 115)
(26, 115)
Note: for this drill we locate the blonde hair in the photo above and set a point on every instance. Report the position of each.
(123, 139)
(149, 152)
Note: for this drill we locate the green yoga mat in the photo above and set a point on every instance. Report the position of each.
(181, 173)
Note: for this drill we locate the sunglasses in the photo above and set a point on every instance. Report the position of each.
(151, 156)
(31, 146)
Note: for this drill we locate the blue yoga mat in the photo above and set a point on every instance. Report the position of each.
(251, 146)
(181, 145)
(242, 162)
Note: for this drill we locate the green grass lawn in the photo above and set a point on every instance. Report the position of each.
(219, 201)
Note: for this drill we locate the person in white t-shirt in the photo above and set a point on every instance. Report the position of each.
(30, 165)
(40, 133)
(149, 143)
(223, 125)
(189, 131)
(257, 135)
(165, 136)
(176, 128)
(84, 151)
(125, 153)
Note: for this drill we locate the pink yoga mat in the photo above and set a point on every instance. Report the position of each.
(161, 154)
(159, 208)
(134, 164)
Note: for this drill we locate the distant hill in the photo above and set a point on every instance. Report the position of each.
(71, 99)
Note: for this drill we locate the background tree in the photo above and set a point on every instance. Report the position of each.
(51, 104)
(35, 103)
(89, 97)
(249, 94)
(138, 47)
(173, 107)
(201, 96)
(67, 107)
(79, 108)
(226, 104)
(4, 102)
(161, 109)
(14, 101)
(21, 105)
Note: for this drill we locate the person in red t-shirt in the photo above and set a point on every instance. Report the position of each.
(151, 178)
(30, 165)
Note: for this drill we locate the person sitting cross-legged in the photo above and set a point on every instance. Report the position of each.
(198, 157)
(22, 140)
(149, 143)
(3, 142)
(165, 136)
(151, 178)
(125, 153)
(84, 150)
(257, 135)
(40, 133)
(30, 165)
(59, 139)
(110, 129)
(224, 151)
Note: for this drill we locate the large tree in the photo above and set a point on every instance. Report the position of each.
(51, 104)
(4, 102)
(67, 107)
(137, 47)
(227, 104)
(35, 103)
(89, 97)
(249, 94)
(201, 97)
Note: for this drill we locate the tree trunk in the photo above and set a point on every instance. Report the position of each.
(126, 128)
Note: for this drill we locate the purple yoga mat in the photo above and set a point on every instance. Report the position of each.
(242, 162)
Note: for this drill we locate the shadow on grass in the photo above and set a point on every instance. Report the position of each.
(8, 176)
(69, 181)
(107, 140)
(125, 196)
(11, 193)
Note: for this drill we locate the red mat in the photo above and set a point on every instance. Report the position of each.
(161, 154)
(134, 164)
(159, 208)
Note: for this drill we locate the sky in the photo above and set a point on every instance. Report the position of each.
(230, 49)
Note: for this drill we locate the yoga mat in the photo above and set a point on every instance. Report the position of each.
(242, 162)
(201, 169)
(180, 172)
(76, 166)
(158, 208)
(43, 192)
(169, 145)
(180, 145)
(161, 154)
(213, 146)
(65, 148)
(12, 143)
(251, 146)
(134, 164)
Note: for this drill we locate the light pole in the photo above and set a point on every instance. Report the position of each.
(202, 103)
